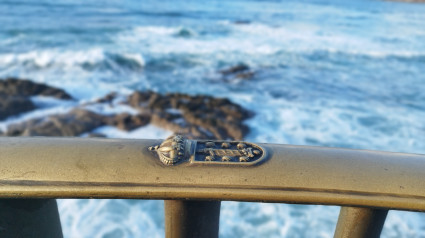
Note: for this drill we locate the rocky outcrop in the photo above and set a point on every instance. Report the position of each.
(26, 88)
(239, 71)
(128, 122)
(194, 116)
(15, 93)
(12, 105)
(74, 123)
(108, 98)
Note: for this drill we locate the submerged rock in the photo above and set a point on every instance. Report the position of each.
(240, 71)
(235, 69)
(26, 88)
(74, 123)
(194, 116)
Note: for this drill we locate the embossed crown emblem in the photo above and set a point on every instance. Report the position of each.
(176, 149)
(172, 150)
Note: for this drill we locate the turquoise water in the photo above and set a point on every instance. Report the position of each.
(328, 73)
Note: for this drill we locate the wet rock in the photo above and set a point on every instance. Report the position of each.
(245, 75)
(26, 88)
(12, 105)
(107, 98)
(74, 123)
(128, 122)
(240, 71)
(235, 69)
(198, 116)
(15, 93)
(194, 116)
(185, 33)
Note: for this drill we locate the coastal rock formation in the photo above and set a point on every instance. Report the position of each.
(239, 71)
(15, 93)
(26, 88)
(199, 116)
(74, 123)
(128, 122)
(12, 105)
(108, 98)
(194, 116)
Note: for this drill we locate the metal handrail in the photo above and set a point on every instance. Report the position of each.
(366, 183)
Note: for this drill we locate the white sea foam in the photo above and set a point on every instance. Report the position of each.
(111, 218)
(258, 39)
(109, 109)
(145, 132)
(338, 125)
(69, 60)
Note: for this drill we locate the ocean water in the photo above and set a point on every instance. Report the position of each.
(327, 73)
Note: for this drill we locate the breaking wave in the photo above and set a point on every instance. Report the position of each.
(89, 60)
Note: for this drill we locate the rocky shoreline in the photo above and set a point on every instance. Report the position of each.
(195, 116)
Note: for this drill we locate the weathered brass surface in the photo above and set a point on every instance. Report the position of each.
(118, 168)
(357, 222)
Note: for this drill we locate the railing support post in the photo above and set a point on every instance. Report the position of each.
(356, 222)
(186, 219)
(29, 218)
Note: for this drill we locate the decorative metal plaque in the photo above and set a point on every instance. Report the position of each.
(177, 149)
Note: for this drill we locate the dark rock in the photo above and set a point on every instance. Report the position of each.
(74, 123)
(108, 98)
(128, 122)
(26, 88)
(245, 75)
(240, 71)
(12, 105)
(195, 116)
(203, 117)
(235, 69)
(185, 33)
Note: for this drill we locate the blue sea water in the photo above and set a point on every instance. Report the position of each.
(327, 73)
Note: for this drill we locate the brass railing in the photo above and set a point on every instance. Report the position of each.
(194, 176)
